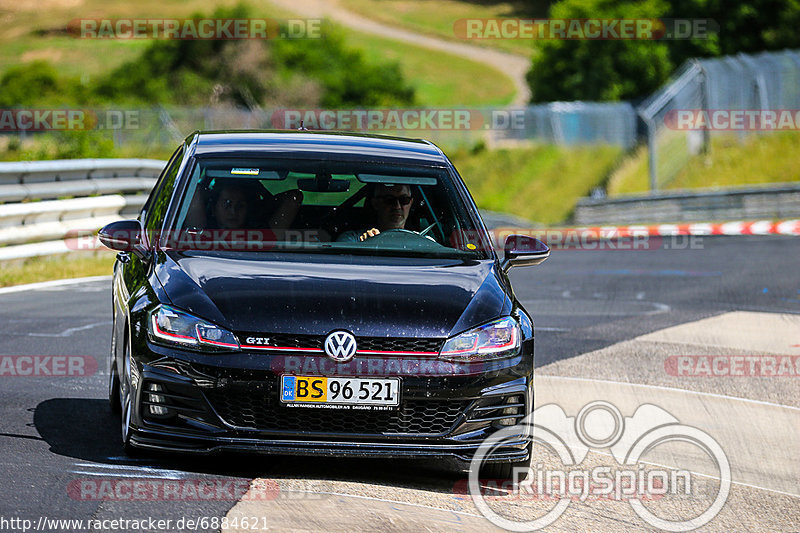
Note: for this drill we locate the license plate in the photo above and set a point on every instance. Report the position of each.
(317, 391)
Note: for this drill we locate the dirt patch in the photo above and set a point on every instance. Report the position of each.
(48, 54)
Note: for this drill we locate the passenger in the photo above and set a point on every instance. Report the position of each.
(240, 204)
(391, 205)
(230, 205)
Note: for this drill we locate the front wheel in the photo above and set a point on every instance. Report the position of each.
(113, 388)
(113, 375)
(126, 400)
(506, 470)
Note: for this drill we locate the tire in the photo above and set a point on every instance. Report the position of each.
(126, 401)
(113, 389)
(506, 470)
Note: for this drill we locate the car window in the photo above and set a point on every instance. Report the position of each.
(157, 204)
(326, 207)
(159, 183)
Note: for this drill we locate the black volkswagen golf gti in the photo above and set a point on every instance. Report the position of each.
(317, 293)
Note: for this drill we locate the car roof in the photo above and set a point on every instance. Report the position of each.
(316, 143)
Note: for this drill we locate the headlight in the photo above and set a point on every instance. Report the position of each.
(497, 339)
(168, 325)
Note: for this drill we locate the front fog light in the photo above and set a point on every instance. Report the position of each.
(157, 398)
(511, 411)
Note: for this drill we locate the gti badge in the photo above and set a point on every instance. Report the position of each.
(340, 346)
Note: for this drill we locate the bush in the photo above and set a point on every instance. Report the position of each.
(250, 73)
(38, 83)
(347, 78)
(246, 73)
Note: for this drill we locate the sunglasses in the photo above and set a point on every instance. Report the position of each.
(390, 200)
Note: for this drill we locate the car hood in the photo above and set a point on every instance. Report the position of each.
(315, 294)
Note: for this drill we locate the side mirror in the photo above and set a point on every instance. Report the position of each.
(521, 250)
(122, 235)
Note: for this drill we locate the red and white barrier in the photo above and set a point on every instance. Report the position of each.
(758, 227)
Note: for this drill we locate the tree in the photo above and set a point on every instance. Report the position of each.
(632, 69)
(586, 69)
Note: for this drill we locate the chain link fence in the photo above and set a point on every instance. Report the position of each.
(702, 98)
(573, 123)
(561, 123)
(748, 83)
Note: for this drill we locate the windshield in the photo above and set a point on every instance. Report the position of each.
(259, 204)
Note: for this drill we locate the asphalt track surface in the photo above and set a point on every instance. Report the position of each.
(606, 320)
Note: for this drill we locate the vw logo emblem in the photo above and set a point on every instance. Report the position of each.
(340, 346)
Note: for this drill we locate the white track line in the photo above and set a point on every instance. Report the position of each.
(54, 283)
(672, 389)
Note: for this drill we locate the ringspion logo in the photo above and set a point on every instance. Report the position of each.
(599, 425)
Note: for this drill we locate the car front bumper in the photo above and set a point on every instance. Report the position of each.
(200, 404)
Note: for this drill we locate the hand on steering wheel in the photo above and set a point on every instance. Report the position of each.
(374, 232)
(369, 233)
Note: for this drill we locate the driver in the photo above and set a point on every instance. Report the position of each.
(391, 204)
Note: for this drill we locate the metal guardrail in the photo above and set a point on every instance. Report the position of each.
(44, 205)
(66, 169)
(779, 201)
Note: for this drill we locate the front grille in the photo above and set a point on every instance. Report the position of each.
(293, 341)
(261, 410)
(380, 344)
(389, 344)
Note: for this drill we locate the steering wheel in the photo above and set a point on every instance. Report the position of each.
(399, 230)
(399, 234)
(426, 230)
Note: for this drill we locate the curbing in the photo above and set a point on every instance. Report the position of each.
(756, 227)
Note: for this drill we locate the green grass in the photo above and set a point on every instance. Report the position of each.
(541, 184)
(58, 145)
(439, 79)
(437, 17)
(31, 33)
(758, 159)
(73, 265)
